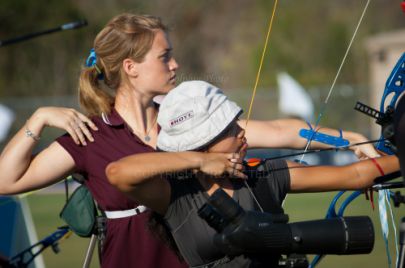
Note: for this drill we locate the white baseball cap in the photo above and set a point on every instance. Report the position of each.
(192, 115)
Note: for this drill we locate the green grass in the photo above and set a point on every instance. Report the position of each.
(45, 210)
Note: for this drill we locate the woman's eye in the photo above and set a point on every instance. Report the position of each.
(164, 57)
(167, 56)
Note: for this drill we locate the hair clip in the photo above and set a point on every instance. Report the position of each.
(91, 62)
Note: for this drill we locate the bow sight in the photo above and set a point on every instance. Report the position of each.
(385, 120)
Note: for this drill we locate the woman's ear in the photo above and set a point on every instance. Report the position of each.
(130, 67)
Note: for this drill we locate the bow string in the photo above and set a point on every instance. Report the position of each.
(311, 133)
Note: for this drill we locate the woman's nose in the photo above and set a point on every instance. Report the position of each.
(173, 65)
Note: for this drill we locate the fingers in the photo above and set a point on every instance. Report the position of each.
(83, 121)
(235, 165)
(236, 173)
(79, 128)
(235, 157)
(235, 168)
(84, 130)
(381, 153)
(365, 151)
(241, 175)
(219, 164)
(86, 120)
(70, 120)
(73, 134)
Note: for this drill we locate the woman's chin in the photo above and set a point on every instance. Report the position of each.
(169, 87)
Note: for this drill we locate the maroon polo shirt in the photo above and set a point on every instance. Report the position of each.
(128, 242)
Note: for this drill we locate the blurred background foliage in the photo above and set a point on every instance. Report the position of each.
(217, 41)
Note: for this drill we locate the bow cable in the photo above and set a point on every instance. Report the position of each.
(261, 62)
(255, 87)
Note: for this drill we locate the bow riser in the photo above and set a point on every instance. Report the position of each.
(394, 86)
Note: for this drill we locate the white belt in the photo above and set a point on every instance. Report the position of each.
(125, 213)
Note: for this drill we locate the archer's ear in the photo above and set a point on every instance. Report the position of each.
(130, 67)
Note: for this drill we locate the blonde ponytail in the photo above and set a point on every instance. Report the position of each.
(93, 98)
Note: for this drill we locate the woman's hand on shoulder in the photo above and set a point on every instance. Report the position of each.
(75, 123)
(219, 164)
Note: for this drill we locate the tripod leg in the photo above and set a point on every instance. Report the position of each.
(401, 258)
(90, 251)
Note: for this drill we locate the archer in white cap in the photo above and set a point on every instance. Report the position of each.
(192, 115)
(200, 133)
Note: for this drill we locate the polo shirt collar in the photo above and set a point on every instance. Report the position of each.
(113, 119)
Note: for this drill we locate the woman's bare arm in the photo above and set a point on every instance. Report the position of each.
(46, 168)
(283, 133)
(20, 171)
